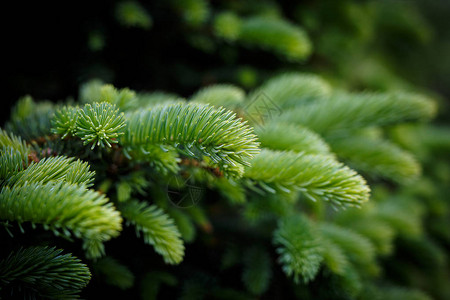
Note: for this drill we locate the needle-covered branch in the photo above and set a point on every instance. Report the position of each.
(193, 128)
(343, 111)
(43, 272)
(66, 209)
(316, 176)
(156, 227)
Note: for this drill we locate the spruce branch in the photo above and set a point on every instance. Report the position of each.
(64, 208)
(316, 176)
(65, 120)
(157, 228)
(216, 133)
(293, 89)
(282, 136)
(11, 162)
(58, 168)
(377, 157)
(299, 247)
(343, 112)
(14, 142)
(100, 124)
(14, 155)
(44, 272)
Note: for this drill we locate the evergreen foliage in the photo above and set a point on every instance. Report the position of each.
(271, 150)
(54, 169)
(99, 124)
(377, 157)
(299, 248)
(291, 89)
(198, 128)
(316, 176)
(284, 136)
(68, 210)
(43, 272)
(157, 228)
(343, 112)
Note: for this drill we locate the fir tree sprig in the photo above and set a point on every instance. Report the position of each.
(100, 124)
(65, 120)
(43, 272)
(377, 157)
(58, 168)
(299, 247)
(316, 176)
(283, 136)
(66, 209)
(216, 133)
(343, 111)
(293, 89)
(14, 142)
(11, 162)
(156, 227)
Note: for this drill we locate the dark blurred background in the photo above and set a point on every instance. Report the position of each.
(49, 51)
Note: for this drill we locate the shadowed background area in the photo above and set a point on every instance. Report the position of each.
(51, 48)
